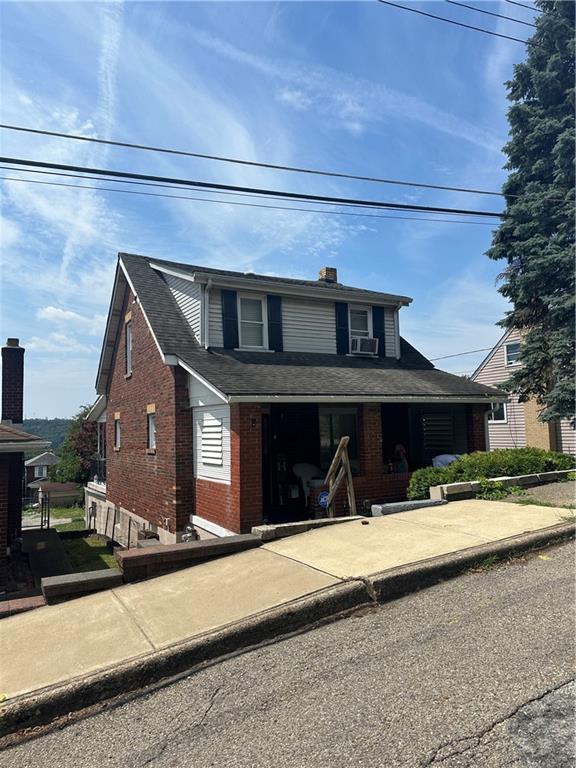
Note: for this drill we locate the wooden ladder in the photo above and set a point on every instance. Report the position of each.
(339, 471)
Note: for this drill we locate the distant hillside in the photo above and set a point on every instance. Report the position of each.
(50, 429)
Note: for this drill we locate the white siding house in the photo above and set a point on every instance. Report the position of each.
(507, 426)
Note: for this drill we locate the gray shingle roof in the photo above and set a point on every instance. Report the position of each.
(289, 373)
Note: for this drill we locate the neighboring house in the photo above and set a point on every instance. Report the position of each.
(515, 424)
(13, 443)
(224, 396)
(37, 471)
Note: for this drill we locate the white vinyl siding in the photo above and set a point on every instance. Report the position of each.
(390, 332)
(567, 437)
(212, 443)
(188, 296)
(308, 325)
(215, 319)
(512, 432)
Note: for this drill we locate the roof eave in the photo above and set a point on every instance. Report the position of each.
(320, 291)
(320, 398)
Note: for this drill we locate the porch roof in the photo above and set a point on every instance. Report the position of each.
(260, 375)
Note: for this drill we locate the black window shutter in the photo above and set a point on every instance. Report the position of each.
(342, 339)
(229, 319)
(275, 323)
(378, 329)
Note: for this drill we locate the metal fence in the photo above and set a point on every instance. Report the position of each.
(36, 513)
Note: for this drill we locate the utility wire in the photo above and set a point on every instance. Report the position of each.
(457, 23)
(233, 202)
(271, 166)
(523, 5)
(459, 354)
(161, 186)
(491, 13)
(251, 190)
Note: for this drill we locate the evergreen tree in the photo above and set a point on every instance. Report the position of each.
(77, 450)
(537, 236)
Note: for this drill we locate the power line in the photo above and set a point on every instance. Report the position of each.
(257, 191)
(457, 23)
(161, 186)
(490, 13)
(250, 205)
(270, 166)
(459, 354)
(523, 5)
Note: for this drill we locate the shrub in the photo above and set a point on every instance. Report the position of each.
(491, 490)
(423, 479)
(478, 465)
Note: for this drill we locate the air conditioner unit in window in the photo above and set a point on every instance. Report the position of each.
(363, 345)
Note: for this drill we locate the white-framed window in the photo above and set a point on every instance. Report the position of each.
(360, 322)
(117, 433)
(252, 322)
(128, 347)
(512, 353)
(151, 431)
(41, 471)
(498, 413)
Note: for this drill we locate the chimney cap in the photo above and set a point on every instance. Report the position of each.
(12, 342)
(328, 275)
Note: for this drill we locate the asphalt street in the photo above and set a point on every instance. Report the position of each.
(472, 672)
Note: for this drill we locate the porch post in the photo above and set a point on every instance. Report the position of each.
(370, 448)
(476, 428)
(246, 464)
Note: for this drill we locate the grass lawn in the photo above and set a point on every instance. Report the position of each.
(75, 514)
(89, 553)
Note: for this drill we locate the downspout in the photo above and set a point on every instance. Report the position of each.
(207, 313)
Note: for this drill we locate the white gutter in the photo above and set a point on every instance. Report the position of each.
(320, 291)
(23, 445)
(364, 399)
(397, 330)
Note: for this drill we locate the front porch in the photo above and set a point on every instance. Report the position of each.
(387, 442)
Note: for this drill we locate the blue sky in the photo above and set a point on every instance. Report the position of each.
(355, 87)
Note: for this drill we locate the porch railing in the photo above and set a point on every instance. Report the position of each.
(98, 470)
(36, 513)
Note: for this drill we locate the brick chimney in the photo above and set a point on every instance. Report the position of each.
(12, 382)
(328, 275)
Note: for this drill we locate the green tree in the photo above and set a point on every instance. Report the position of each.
(76, 451)
(536, 237)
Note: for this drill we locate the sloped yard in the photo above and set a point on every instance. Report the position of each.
(553, 494)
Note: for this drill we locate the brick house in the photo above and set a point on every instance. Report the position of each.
(36, 471)
(13, 443)
(514, 424)
(223, 396)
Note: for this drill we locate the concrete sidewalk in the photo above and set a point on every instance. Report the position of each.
(58, 644)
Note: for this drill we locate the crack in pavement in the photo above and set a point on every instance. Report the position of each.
(470, 742)
(170, 739)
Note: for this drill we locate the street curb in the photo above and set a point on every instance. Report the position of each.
(39, 708)
(396, 582)
(305, 613)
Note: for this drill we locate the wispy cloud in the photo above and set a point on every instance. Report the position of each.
(357, 103)
(93, 326)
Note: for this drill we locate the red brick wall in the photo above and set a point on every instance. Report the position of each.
(160, 485)
(237, 506)
(476, 428)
